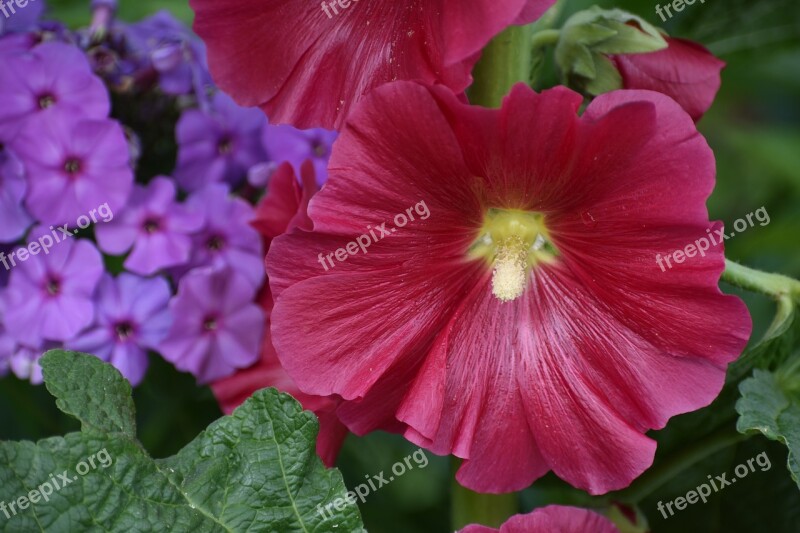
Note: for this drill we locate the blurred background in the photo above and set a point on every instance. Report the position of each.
(754, 129)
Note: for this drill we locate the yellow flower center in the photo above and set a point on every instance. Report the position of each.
(512, 242)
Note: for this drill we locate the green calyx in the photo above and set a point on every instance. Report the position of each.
(589, 37)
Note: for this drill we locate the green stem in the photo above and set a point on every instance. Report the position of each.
(657, 476)
(505, 61)
(775, 286)
(472, 508)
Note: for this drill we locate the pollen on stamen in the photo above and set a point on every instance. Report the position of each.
(510, 270)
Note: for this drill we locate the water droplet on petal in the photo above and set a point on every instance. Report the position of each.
(588, 219)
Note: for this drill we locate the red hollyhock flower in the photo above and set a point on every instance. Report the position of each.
(307, 64)
(525, 325)
(553, 518)
(685, 71)
(284, 208)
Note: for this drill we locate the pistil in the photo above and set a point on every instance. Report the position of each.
(510, 269)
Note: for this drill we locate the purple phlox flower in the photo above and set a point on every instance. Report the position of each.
(156, 226)
(173, 51)
(107, 63)
(14, 44)
(259, 175)
(132, 317)
(103, 12)
(285, 143)
(51, 77)
(112, 59)
(226, 238)
(218, 145)
(50, 295)
(217, 328)
(47, 31)
(74, 167)
(24, 362)
(21, 19)
(14, 220)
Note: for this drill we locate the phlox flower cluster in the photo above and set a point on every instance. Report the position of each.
(174, 267)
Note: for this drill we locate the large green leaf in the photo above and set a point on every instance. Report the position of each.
(770, 404)
(255, 470)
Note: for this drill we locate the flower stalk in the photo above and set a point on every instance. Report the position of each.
(470, 507)
(504, 62)
(775, 286)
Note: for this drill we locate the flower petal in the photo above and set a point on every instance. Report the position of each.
(551, 519)
(685, 71)
(310, 72)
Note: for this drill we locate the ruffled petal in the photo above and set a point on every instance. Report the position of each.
(315, 63)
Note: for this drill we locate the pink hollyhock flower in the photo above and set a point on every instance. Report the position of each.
(685, 71)
(553, 518)
(282, 209)
(525, 325)
(307, 64)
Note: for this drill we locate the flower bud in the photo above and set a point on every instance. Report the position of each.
(588, 39)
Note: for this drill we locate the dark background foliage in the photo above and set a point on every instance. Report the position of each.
(754, 129)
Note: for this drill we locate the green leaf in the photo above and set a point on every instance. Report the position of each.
(770, 397)
(89, 392)
(770, 405)
(255, 470)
